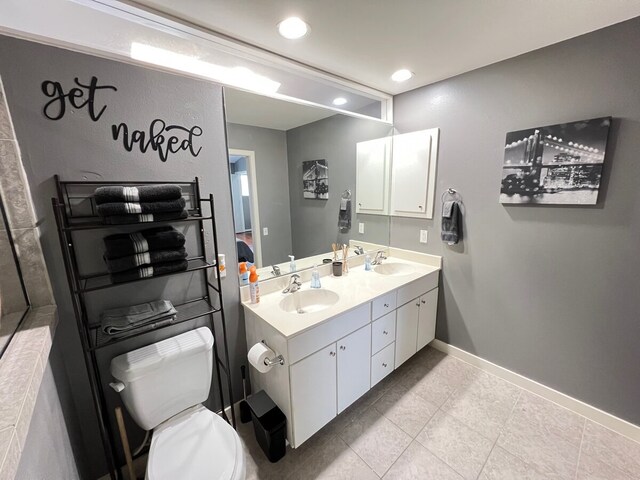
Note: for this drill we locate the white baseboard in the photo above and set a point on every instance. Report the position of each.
(592, 413)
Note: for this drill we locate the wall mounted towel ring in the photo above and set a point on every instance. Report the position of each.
(452, 192)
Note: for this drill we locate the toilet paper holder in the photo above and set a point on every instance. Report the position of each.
(279, 360)
(270, 362)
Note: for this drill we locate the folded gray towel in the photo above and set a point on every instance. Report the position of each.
(126, 244)
(118, 320)
(146, 258)
(144, 218)
(150, 271)
(143, 193)
(344, 214)
(451, 223)
(129, 208)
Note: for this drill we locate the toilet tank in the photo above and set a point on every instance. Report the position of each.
(165, 378)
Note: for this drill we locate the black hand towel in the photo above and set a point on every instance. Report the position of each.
(451, 223)
(144, 218)
(147, 258)
(149, 271)
(144, 193)
(128, 208)
(127, 244)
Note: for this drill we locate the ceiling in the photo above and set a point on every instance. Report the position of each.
(259, 111)
(367, 40)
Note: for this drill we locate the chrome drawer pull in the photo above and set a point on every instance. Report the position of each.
(384, 332)
(333, 354)
(384, 365)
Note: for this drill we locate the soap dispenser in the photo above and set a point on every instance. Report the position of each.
(292, 264)
(367, 262)
(315, 278)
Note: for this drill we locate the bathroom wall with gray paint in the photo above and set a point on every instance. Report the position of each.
(314, 223)
(77, 148)
(53, 448)
(549, 292)
(270, 147)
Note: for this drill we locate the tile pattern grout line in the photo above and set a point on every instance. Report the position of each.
(495, 442)
(584, 427)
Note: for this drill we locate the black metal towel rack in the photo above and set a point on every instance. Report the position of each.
(75, 212)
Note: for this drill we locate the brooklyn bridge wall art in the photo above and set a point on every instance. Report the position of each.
(556, 164)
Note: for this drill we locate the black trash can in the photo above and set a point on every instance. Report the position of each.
(269, 424)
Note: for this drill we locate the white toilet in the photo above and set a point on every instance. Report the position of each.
(162, 385)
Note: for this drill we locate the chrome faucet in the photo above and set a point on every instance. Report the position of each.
(359, 250)
(294, 284)
(276, 270)
(380, 256)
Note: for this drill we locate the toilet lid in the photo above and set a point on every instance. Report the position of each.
(195, 444)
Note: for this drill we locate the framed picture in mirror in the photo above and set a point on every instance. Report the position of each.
(315, 179)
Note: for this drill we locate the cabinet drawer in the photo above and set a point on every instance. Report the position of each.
(417, 288)
(383, 332)
(382, 364)
(318, 337)
(383, 305)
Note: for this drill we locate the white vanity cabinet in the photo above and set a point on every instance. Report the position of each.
(406, 331)
(427, 318)
(373, 166)
(354, 367)
(313, 392)
(332, 364)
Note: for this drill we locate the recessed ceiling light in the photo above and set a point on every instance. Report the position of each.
(292, 28)
(339, 101)
(401, 75)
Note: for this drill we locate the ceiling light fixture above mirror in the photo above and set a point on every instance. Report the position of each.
(240, 77)
(401, 75)
(339, 101)
(293, 28)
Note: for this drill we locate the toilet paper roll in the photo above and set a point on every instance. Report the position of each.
(258, 354)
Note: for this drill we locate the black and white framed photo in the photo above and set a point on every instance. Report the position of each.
(556, 164)
(315, 179)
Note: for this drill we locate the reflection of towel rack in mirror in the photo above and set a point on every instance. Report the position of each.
(347, 194)
(451, 192)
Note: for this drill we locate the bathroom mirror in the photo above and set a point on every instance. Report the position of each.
(14, 302)
(293, 181)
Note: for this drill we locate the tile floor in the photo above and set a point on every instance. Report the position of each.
(437, 417)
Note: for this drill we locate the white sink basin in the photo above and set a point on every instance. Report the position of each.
(308, 301)
(395, 269)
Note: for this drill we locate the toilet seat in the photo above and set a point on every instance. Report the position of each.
(195, 444)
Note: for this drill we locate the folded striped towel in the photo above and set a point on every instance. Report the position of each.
(144, 193)
(145, 258)
(130, 208)
(118, 321)
(151, 239)
(149, 271)
(144, 218)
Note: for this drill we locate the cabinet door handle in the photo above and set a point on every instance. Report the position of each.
(418, 304)
(384, 332)
(420, 207)
(342, 347)
(333, 354)
(423, 301)
(386, 305)
(384, 365)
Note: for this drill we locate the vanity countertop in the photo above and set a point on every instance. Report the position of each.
(354, 288)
